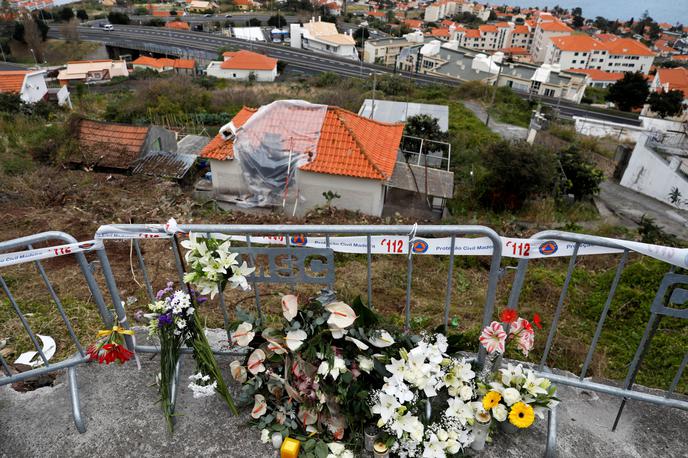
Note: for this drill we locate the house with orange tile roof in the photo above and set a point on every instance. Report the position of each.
(201, 6)
(240, 65)
(670, 79)
(181, 66)
(599, 78)
(379, 15)
(117, 147)
(288, 153)
(243, 5)
(663, 49)
(614, 55)
(30, 85)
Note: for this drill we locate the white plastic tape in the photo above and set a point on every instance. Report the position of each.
(481, 246)
(20, 257)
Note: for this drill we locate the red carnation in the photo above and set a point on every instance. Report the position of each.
(508, 316)
(536, 320)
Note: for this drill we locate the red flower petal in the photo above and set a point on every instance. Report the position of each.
(508, 316)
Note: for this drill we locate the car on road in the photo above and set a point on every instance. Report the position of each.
(228, 15)
(108, 27)
(207, 15)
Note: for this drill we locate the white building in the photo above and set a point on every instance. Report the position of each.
(241, 64)
(323, 37)
(30, 85)
(92, 71)
(329, 149)
(545, 30)
(619, 55)
(657, 167)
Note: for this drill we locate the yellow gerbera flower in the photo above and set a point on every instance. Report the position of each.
(521, 415)
(491, 399)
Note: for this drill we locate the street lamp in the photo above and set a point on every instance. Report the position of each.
(34, 56)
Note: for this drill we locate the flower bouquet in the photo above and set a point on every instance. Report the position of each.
(513, 393)
(174, 320)
(110, 346)
(309, 376)
(426, 406)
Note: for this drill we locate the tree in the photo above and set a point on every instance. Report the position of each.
(118, 18)
(277, 21)
(582, 177)
(65, 14)
(173, 12)
(82, 15)
(70, 31)
(360, 35)
(578, 22)
(516, 172)
(254, 22)
(629, 92)
(666, 103)
(577, 11)
(33, 37)
(423, 126)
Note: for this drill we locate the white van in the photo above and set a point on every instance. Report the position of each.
(108, 27)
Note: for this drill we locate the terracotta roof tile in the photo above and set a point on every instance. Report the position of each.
(181, 25)
(521, 29)
(247, 60)
(439, 32)
(110, 145)
(674, 79)
(349, 145)
(597, 75)
(555, 26)
(12, 81)
(629, 47)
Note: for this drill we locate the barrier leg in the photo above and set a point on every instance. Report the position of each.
(74, 396)
(551, 447)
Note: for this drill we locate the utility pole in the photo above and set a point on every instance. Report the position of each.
(494, 93)
(372, 110)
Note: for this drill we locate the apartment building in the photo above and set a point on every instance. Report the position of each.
(546, 28)
(616, 55)
(446, 8)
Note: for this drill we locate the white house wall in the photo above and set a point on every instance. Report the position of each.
(649, 174)
(34, 88)
(215, 70)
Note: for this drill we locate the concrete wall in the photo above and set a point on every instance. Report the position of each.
(168, 140)
(357, 194)
(34, 88)
(598, 128)
(652, 175)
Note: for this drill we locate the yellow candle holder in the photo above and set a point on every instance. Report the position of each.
(290, 448)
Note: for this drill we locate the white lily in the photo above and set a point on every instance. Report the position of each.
(238, 279)
(295, 339)
(195, 247)
(290, 306)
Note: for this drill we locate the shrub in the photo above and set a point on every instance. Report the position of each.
(582, 177)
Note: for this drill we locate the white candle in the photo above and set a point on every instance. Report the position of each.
(277, 440)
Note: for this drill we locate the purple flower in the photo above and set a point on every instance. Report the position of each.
(164, 320)
(160, 294)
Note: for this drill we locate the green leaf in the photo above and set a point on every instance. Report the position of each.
(321, 450)
(366, 317)
(243, 315)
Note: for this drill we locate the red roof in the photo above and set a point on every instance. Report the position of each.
(515, 50)
(376, 14)
(349, 145)
(247, 60)
(555, 26)
(161, 13)
(606, 36)
(521, 29)
(472, 33)
(440, 33)
(164, 62)
(488, 28)
(12, 81)
(413, 23)
(597, 75)
(680, 57)
(577, 43)
(181, 25)
(109, 144)
(629, 47)
(674, 79)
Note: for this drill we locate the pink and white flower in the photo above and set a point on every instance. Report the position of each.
(238, 371)
(259, 406)
(255, 362)
(493, 338)
(243, 334)
(290, 306)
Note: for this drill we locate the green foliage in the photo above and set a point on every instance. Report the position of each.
(327, 79)
(511, 108)
(424, 126)
(391, 84)
(65, 14)
(253, 22)
(595, 95)
(82, 15)
(582, 177)
(116, 17)
(629, 92)
(666, 103)
(516, 172)
(651, 232)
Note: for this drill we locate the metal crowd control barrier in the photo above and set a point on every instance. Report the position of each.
(80, 356)
(295, 272)
(660, 307)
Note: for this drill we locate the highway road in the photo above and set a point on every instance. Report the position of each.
(306, 61)
(237, 17)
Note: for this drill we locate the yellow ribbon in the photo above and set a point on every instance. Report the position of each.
(117, 329)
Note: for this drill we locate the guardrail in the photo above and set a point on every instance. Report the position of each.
(297, 255)
(45, 366)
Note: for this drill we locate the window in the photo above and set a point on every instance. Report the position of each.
(549, 92)
(574, 61)
(575, 53)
